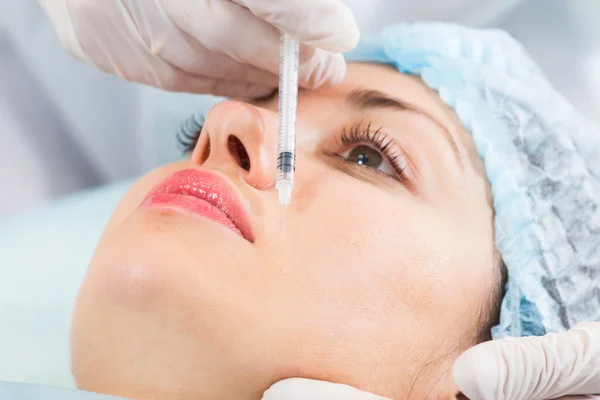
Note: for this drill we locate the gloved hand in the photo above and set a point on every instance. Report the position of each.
(309, 389)
(223, 47)
(533, 368)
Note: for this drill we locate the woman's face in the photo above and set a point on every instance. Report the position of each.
(377, 280)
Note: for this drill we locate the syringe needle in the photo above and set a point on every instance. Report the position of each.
(283, 221)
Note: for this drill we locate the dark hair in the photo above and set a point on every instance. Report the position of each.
(489, 313)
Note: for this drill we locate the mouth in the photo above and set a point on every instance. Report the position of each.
(202, 193)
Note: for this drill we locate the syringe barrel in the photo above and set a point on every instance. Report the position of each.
(288, 104)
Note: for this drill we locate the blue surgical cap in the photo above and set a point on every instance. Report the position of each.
(541, 158)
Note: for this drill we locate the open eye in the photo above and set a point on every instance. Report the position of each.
(373, 150)
(369, 157)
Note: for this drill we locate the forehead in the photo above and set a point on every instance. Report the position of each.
(384, 78)
(390, 81)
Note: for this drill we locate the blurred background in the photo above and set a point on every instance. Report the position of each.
(65, 127)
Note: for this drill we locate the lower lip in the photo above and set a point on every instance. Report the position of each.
(191, 204)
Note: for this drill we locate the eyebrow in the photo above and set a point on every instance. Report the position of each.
(368, 99)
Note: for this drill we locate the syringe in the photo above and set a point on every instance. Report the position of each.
(288, 104)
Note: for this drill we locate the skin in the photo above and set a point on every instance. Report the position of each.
(378, 282)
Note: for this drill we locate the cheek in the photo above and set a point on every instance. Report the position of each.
(365, 250)
(400, 255)
(376, 274)
(368, 242)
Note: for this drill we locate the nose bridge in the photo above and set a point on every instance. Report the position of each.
(238, 130)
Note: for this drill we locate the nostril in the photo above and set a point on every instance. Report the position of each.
(206, 153)
(238, 151)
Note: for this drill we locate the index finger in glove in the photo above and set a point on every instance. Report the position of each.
(233, 30)
(533, 368)
(325, 24)
(310, 389)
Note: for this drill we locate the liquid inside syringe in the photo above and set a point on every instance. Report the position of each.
(288, 104)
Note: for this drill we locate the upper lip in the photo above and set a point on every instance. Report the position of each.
(212, 188)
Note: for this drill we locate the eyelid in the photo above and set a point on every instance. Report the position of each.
(189, 132)
(358, 133)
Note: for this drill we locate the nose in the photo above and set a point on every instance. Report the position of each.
(240, 138)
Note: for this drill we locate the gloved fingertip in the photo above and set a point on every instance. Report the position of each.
(324, 70)
(351, 37)
(346, 42)
(346, 37)
(475, 374)
(339, 41)
(310, 389)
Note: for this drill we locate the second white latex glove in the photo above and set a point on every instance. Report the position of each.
(533, 368)
(222, 47)
(309, 389)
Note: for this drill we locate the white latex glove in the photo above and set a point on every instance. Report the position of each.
(222, 47)
(308, 389)
(533, 368)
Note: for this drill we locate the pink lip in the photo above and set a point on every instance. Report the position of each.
(204, 193)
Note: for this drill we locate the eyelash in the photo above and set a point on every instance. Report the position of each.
(189, 132)
(358, 133)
